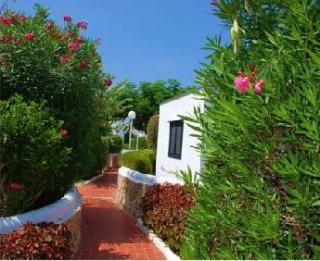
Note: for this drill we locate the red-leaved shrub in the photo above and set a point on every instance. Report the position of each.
(165, 208)
(42, 241)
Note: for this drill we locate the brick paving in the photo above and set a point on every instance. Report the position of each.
(106, 231)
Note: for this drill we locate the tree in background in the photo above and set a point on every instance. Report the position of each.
(113, 104)
(260, 136)
(146, 97)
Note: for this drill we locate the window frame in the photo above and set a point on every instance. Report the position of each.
(175, 124)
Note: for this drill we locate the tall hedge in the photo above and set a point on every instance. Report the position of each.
(41, 61)
(152, 132)
(260, 135)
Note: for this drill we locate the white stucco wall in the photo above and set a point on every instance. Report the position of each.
(169, 111)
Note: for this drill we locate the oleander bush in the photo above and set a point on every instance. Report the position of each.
(165, 208)
(33, 158)
(139, 160)
(37, 242)
(42, 61)
(152, 132)
(260, 136)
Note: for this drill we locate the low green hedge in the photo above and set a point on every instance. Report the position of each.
(139, 160)
(112, 143)
(142, 144)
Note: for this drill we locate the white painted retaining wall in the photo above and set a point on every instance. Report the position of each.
(138, 177)
(170, 111)
(57, 212)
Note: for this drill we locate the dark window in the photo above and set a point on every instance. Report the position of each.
(175, 139)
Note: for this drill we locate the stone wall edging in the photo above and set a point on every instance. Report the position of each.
(141, 180)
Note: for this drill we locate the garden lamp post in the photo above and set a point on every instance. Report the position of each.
(132, 116)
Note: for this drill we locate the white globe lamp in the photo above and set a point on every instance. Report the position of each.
(132, 116)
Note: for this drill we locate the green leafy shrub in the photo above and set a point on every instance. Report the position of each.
(37, 242)
(33, 156)
(42, 61)
(152, 132)
(113, 143)
(142, 143)
(165, 208)
(140, 160)
(260, 192)
(125, 146)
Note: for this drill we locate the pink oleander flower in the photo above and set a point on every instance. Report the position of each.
(74, 46)
(79, 40)
(29, 36)
(8, 38)
(18, 41)
(83, 64)
(24, 18)
(107, 82)
(16, 185)
(64, 132)
(258, 86)
(241, 83)
(82, 25)
(65, 59)
(49, 25)
(67, 18)
(5, 21)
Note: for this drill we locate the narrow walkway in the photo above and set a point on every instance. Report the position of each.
(107, 232)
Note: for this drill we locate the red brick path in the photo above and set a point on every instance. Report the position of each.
(107, 232)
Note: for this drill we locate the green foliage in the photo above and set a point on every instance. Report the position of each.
(190, 180)
(41, 61)
(139, 160)
(146, 98)
(142, 143)
(165, 209)
(260, 192)
(112, 143)
(152, 132)
(114, 103)
(33, 154)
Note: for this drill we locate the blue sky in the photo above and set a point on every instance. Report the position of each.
(143, 39)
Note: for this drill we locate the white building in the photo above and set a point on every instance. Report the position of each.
(175, 150)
